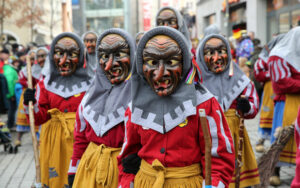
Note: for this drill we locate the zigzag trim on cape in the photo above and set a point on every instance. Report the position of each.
(64, 91)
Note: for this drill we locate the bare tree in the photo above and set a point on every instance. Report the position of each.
(31, 14)
(7, 8)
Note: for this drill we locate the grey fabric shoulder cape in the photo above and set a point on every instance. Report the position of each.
(162, 114)
(104, 104)
(264, 54)
(226, 88)
(67, 86)
(182, 27)
(288, 48)
(91, 58)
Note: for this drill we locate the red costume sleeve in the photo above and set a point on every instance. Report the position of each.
(80, 143)
(261, 71)
(131, 145)
(22, 79)
(285, 79)
(296, 181)
(251, 94)
(222, 159)
(41, 106)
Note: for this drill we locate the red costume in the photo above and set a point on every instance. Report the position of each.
(84, 134)
(152, 145)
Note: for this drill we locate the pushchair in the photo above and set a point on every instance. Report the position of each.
(5, 139)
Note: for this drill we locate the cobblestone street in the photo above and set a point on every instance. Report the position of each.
(18, 170)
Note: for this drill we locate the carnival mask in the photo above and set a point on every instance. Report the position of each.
(41, 57)
(90, 40)
(114, 58)
(66, 56)
(32, 58)
(215, 55)
(162, 64)
(167, 17)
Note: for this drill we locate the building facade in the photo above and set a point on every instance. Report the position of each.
(264, 17)
(40, 33)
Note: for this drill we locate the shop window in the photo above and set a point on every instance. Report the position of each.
(103, 4)
(284, 24)
(296, 18)
(211, 19)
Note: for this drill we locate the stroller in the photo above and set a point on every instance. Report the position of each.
(5, 139)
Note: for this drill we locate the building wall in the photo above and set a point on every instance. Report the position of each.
(208, 8)
(41, 33)
(256, 17)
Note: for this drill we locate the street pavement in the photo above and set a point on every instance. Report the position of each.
(18, 170)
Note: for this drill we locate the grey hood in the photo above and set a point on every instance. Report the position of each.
(104, 104)
(225, 86)
(182, 27)
(289, 48)
(212, 29)
(162, 114)
(35, 69)
(67, 86)
(264, 54)
(91, 58)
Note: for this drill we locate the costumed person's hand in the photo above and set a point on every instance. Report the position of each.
(29, 96)
(243, 105)
(131, 163)
(71, 178)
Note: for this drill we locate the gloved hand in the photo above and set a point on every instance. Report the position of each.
(71, 178)
(243, 105)
(131, 163)
(29, 96)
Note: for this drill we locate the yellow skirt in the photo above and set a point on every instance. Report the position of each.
(292, 102)
(21, 115)
(158, 176)
(98, 167)
(249, 175)
(267, 108)
(56, 148)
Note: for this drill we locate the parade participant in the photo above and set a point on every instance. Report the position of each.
(285, 76)
(262, 74)
(138, 37)
(90, 39)
(56, 100)
(163, 124)
(236, 95)
(22, 122)
(168, 16)
(99, 131)
(296, 180)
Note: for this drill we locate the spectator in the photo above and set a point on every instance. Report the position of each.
(11, 75)
(251, 35)
(245, 46)
(4, 54)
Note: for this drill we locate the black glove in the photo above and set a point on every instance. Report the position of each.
(29, 96)
(71, 178)
(131, 163)
(243, 105)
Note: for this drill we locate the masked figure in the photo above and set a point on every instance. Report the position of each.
(163, 126)
(285, 77)
(41, 55)
(56, 100)
(22, 122)
(168, 16)
(90, 39)
(138, 37)
(236, 95)
(99, 130)
(262, 74)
